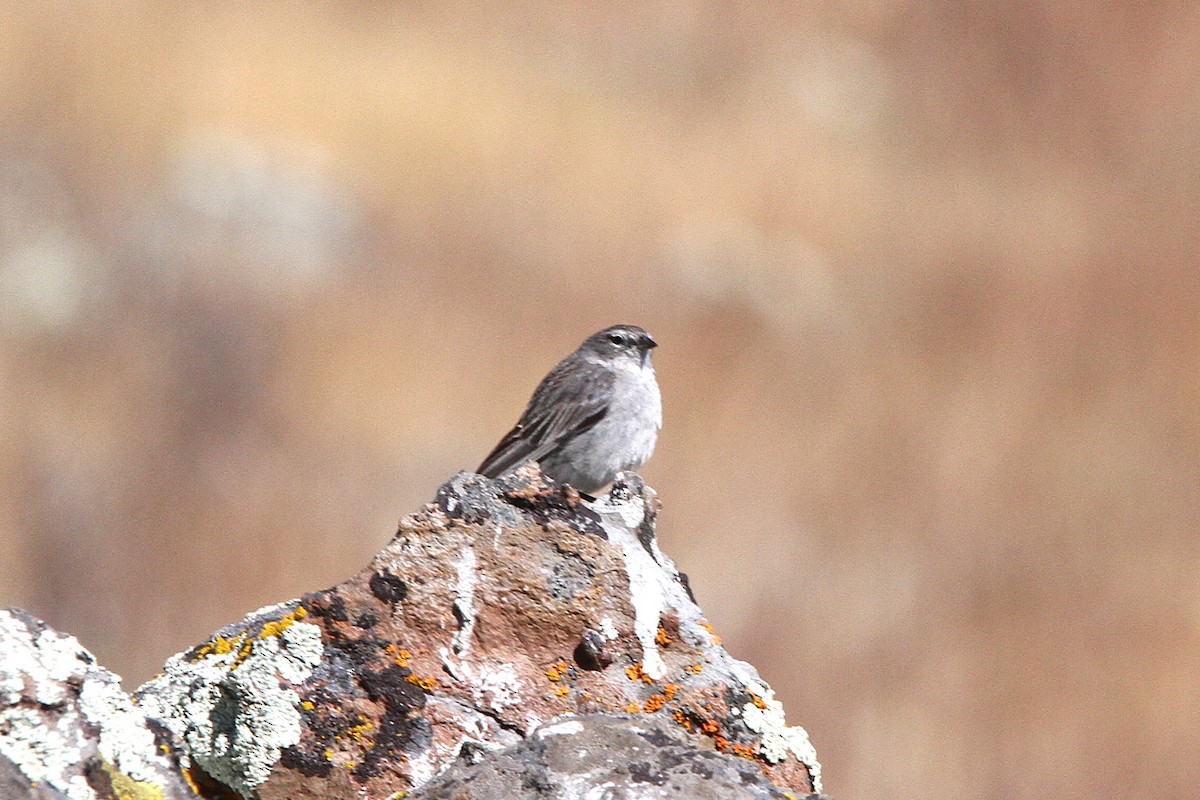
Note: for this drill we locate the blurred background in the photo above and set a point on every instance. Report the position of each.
(924, 275)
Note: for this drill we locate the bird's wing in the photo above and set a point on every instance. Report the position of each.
(550, 420)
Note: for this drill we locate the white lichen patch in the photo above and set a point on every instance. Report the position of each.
(465, 569)
(48, 660)
(494, 687)
(567, 727)
(652, 589)
(45, 753)
(236, 709)
(778, 738)
(655, 588)
(301, 651)
(422, 768)
(125, 741)
(608, 629)
(57, 709)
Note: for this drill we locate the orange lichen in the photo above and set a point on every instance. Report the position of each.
(721, 743)
(635, 673)
(562, 691)
(681, 719)
(744, 751)
(633, 708)
(191, 781)
(428, 684)
(710, 728)
(657, 701)
(662, 638)
(758, 701)
(694, 669)
(705, 624)
(557, 671)
(400, 657)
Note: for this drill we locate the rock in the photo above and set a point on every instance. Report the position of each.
(500, 607)
(68, 729)
(632, 757)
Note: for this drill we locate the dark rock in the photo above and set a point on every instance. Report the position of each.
(630, 757)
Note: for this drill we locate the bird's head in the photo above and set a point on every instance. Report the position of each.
(621, 341)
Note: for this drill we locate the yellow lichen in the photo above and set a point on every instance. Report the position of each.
(356, 731)
(633, 708)
(695, 669)
(219, 646)
(307, 705)
(562, 691)
(278, 626)
(126, 788)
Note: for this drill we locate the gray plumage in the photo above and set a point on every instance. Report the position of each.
(597, 413)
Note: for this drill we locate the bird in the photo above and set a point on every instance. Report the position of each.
(597, 413)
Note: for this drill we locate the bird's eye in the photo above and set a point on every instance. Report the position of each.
(615, 338)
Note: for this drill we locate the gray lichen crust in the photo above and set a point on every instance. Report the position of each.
(232, 702)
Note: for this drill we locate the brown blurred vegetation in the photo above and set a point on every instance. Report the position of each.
(924, 274)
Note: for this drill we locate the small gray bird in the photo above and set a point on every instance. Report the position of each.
(598, 412)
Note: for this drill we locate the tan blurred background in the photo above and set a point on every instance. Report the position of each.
(925, 277)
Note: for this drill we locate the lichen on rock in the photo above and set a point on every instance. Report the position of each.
(501, 606)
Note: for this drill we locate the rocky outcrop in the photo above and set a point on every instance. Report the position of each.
(68, 729)
(502, 620)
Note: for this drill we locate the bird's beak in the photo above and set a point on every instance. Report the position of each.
(648, 344)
